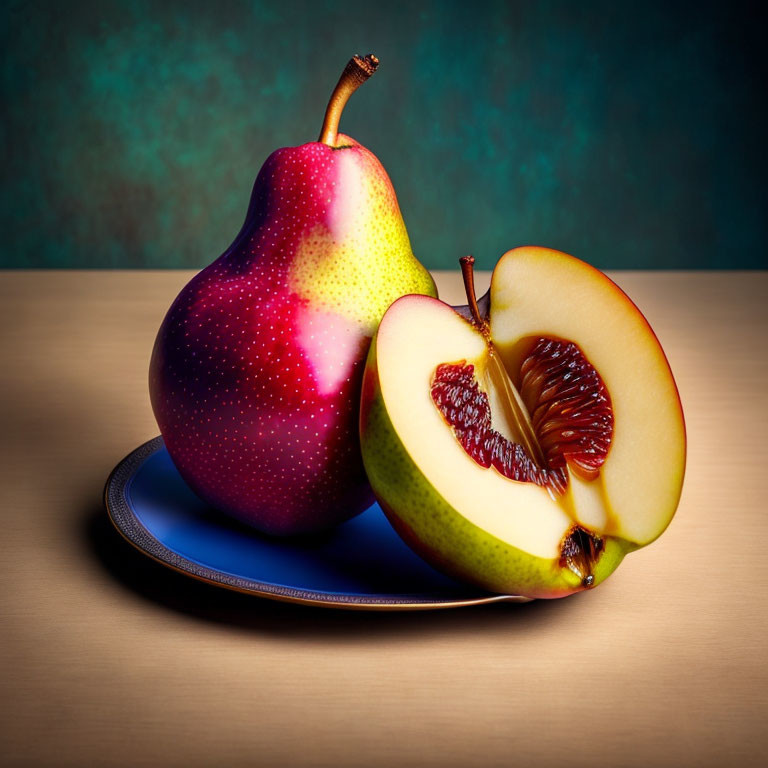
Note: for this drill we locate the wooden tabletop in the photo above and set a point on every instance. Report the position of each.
(110, 659)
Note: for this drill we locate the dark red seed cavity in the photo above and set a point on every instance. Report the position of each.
(568, 403)
(569, 406)
(457, 396)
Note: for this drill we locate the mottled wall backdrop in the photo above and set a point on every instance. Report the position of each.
(630, 135)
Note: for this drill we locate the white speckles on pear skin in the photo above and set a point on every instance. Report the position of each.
(255, 376)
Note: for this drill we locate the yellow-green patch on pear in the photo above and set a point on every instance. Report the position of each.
(361, 260)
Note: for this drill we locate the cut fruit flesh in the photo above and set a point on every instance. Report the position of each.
(466, 409)
(641, 479)
(569, 406)
(562, 421)
(585, 522)
(562, 415)
(436, 334)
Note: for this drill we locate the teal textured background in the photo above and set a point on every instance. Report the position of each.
(631, 136)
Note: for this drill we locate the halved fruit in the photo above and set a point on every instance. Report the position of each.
(529, 447)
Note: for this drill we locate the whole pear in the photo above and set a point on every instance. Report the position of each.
(256, 372)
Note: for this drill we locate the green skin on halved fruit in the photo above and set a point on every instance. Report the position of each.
(514, 536)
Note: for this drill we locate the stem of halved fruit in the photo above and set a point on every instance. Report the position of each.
(515, 412)
(357, 71)
(468, 274)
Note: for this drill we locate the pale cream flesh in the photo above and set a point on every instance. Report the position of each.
(416, 335)
(641, 479)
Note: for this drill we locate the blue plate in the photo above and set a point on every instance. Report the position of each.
(361, 564)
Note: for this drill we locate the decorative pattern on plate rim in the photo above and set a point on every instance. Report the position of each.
(125, 521)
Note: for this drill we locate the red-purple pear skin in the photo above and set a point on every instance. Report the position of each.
(256, 372)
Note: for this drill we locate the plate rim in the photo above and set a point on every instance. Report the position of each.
(127, 524)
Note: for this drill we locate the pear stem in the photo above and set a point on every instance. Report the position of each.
(357, 71)
(468, 273)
